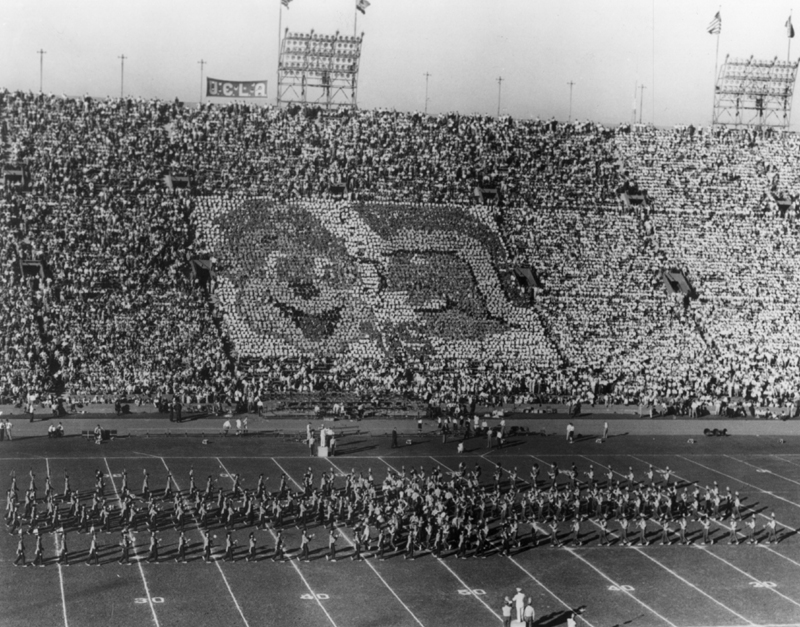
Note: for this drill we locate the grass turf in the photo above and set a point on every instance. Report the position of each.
(679, 586)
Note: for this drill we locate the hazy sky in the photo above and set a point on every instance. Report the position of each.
(537, 46)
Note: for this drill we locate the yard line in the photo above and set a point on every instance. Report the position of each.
(138, 561)
(60, 573)
(283, 470)
(689, 583)
(366, 561)
(677, 476)
(489, 460)
(443, 465)
(313, 594)
(463, 583)
(553, 594)
(452, 572)
(669, 570)
(749, 576)
(788, 461)
(764, 546)
(216, 562)
(375, 570)
(595, 523)
(548, 590)
(620, 587)
(684, 479)
(228, 586)
(388, 464)
(740, 481)
(741, 461)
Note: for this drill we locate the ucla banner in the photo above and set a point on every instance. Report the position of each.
(235, 89)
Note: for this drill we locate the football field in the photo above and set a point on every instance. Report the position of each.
(695, 585)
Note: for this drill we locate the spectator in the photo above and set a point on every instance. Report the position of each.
(506, 610)
(406, 287)
(529, 614)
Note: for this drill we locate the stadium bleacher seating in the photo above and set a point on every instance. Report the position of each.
(404, 287)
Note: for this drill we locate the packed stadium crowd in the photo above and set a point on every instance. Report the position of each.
(724, 208)
(414, 511)
(374, 250)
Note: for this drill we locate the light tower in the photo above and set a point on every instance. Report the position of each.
(319, 69)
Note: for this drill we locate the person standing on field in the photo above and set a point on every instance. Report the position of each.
(93, 558)
(507, 612)
(125, 548)
(145, 484)
(519, 601)
(152, 555)
(20, 550)
(305, 539)
(332, 538)
(528, 614)
(772, 530)
(206, 546)
(181, 548)
(279, 552)
(251, 547)
(38, 552)
(230, 547)
(63, 552)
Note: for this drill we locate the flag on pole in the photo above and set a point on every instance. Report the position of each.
(789, 28)
(362, 5)
(285, 3)
(716, 25)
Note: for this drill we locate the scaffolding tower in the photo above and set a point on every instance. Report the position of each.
(754, 92)
(319, 69)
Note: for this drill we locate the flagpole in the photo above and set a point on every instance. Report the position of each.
(355, 20)
(789, 33)
(278, 71)
(716, 64)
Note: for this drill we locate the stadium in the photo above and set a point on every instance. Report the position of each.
(278, 357)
